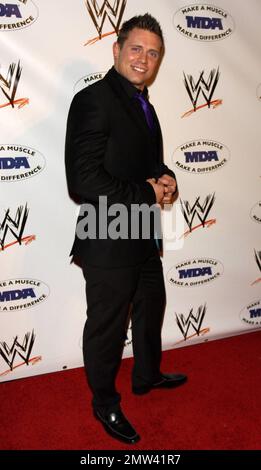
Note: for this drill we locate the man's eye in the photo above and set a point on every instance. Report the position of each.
(154, 54)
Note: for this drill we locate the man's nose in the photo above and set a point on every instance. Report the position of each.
(143, 57)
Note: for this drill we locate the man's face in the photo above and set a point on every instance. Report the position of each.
(139, 57)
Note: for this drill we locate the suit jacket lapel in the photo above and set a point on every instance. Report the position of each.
(130, 107)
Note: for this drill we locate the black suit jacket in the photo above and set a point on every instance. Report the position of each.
(110, 151)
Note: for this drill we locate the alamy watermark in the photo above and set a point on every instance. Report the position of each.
(137, 221)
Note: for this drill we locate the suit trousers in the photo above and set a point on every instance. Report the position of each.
(114, 295)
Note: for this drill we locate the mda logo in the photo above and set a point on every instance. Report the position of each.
(255, 213)
(201, 156)
(19, 294)
(88, 80)
(195, 272)
(17, 15)
(251, 314)
(203, 22)
(18, 162)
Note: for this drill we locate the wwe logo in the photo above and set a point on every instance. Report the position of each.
(9, 86)
(23, 350)
(14, 225)
(193, 321)
(258, 258)
(258, 262)
(202, 87)
(99, 14)
(198, 210)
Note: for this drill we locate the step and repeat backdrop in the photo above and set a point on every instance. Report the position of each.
(208, 98)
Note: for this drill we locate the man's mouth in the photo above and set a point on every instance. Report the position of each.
(139, 69)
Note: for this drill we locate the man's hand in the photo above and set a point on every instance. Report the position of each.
(159, 189)
(170, 187)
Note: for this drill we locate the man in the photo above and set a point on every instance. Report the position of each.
(114, 156)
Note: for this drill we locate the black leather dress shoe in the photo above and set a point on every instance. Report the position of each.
(166, 381)
(117, 426)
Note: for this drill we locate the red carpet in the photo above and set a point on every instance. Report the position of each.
(219, 407)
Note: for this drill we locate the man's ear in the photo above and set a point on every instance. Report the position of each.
(116, 50)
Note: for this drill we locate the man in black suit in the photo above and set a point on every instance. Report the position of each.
(113, 161)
